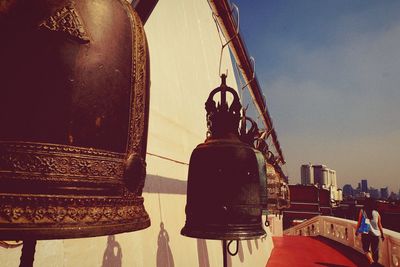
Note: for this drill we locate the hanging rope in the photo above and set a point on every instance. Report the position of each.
(166, 158)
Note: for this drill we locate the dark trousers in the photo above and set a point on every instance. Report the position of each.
(371, 240)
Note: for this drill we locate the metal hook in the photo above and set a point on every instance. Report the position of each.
(237, 248)
(254, 72)
(267, 223)
(269, 132)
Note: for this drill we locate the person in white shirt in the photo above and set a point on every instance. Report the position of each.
(370, 237)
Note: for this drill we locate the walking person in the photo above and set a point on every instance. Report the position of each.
(370, 226)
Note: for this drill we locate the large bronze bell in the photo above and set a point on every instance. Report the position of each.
(223, 193)
(74, 100)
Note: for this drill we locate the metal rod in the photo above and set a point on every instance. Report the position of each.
(224, 253)
(28, 253)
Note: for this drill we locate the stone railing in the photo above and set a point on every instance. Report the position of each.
(343, 231)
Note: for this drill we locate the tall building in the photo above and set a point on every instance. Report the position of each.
(364, 186)
(321, 176)
(332, 177)
(307, 174)
(374, 193)
(348, 190)
(384, 193)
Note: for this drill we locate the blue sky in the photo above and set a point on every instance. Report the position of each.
(330, 71)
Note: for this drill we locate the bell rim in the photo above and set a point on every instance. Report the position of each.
(229, 235)
(50, 233)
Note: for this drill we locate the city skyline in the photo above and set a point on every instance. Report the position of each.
(341, 185)
(330, 72)
(354, 184)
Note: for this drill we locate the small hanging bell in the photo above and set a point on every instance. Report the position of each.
(278, 189)
(223, 193)
(253, 138)
(273, 184)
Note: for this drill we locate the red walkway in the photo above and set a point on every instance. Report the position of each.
(304, 251)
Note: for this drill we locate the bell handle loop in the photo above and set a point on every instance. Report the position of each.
(227, 89)
(251, 135)
(253, 124)
(229, 248)
(223, 89)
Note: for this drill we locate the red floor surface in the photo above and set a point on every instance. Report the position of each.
(298, 251)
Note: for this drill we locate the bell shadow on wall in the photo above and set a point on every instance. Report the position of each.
(240, 251)
(164, 185)
(112, 256)
(256, 243)
(202, 253)
(250, 246)
(164, 253)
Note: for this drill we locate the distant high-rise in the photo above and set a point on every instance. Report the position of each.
(348, 190)
(307, 174)
(374, 193)
(384, 193)
(321, 176)
(332, 178)
(364, 186)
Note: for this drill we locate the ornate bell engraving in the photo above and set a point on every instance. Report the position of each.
(74, 96)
